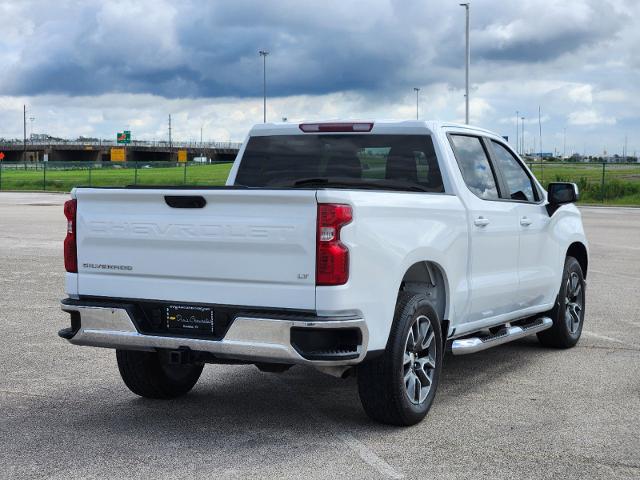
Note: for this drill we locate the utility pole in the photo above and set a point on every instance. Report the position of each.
(540, 127)
(624, 155)
(467, 62)
(24, 140)
(417, 101)
(263, 54)
(564, 144)
(523, 152)
(170, 142)
(517, 132)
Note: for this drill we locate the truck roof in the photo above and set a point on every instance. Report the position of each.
(379, 126)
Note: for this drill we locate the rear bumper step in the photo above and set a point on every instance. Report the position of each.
(250, 339)
(464, 346)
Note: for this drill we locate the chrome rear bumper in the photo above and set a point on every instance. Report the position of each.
(248, 338)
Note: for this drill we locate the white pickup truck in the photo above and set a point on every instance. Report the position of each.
(370, 247)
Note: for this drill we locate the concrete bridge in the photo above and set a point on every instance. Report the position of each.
(101, 151)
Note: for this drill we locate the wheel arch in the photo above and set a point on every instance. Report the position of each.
(578, 250)
(429, 278)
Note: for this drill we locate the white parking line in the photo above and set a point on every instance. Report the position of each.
(369, 456)
(609, 246)
(365, 453)
(614, 274)
(610, 339)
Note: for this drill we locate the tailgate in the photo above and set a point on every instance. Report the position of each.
(244, 247)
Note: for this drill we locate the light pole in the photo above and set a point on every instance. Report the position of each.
(417, 90)
(263, 54)
(564, 144)
(468, 60)
(522, 151)
(31, 119)
(24, 126)
(517, 132)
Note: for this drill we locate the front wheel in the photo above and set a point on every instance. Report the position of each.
(151, 375)
(568, 312)
(399, 387)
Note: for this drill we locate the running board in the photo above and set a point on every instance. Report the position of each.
(464, 346)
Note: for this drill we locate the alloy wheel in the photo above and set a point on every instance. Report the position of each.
(419, 360)
(574, 303)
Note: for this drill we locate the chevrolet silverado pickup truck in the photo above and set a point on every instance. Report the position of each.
(371, 247)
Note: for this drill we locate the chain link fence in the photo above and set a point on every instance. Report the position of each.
(63, 176)
(608, 183)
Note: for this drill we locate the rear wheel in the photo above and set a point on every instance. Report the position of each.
(151, 375)
(399, 387)
(568, 312)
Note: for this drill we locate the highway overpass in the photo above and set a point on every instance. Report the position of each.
(101, 151)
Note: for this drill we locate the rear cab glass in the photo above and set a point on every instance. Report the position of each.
(347, 160)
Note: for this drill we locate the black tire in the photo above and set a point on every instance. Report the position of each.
(566, 331)
(150, 375)
(381, 381)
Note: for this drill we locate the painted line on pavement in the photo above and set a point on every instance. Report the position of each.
(613, 274)
(610, 339)
(356, 446)
(368, 456)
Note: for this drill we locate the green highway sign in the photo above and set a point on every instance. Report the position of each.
(124, 137)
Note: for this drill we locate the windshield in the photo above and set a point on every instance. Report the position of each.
(400, 162)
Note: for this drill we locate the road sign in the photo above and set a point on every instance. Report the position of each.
(124, 137)
(118, 155)
(182, 156)
(1, 156)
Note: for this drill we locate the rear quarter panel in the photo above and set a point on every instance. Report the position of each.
(389, 233)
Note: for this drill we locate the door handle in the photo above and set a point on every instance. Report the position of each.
(481, 222)
(525, 222)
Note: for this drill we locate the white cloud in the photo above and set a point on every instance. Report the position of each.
(581, 94)
(590, 118)
(197, 60)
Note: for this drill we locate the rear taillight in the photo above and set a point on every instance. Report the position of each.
(70, 248)
(332, 257)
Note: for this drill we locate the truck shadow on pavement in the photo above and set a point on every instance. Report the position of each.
(238, 402)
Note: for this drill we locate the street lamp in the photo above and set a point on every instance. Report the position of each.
(417, 90)
(468, 60)
(263, 54)
(517, 132)
(31, 119)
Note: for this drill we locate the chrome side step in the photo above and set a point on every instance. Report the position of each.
(464, 346)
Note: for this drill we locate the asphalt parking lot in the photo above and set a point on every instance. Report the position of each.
(516, 411)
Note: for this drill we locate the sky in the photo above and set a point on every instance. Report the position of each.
(92, 68)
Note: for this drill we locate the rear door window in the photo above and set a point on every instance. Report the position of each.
(475, 167)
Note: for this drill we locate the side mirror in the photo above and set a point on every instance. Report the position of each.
(561, 193)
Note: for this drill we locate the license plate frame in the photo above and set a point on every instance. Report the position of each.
(192, 319)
